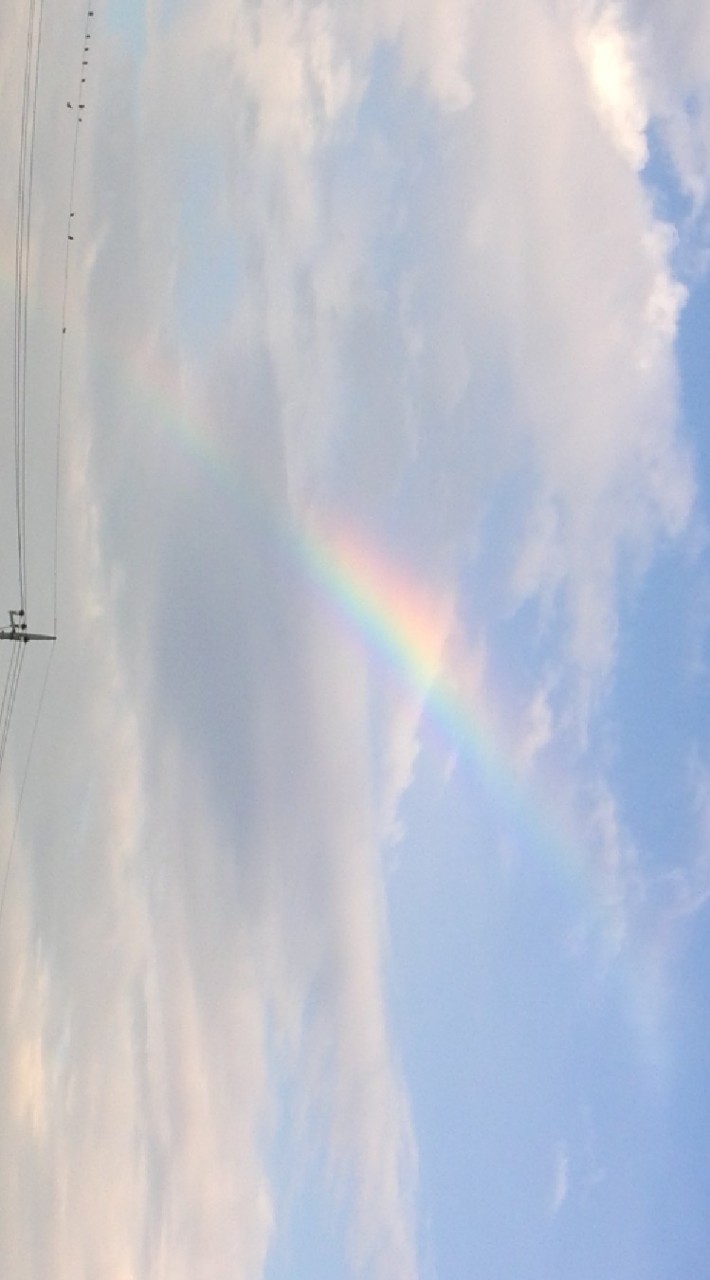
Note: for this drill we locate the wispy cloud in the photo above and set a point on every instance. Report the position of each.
(560, 1183)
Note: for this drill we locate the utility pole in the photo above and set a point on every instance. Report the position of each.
(18, 632)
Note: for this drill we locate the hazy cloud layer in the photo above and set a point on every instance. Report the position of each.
(395, 264)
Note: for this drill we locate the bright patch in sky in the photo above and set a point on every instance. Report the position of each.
(616, 84)
(355, 830)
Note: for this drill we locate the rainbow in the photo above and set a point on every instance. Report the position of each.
(403, 622)
(415, 629)
(407, 625)
(411, 627)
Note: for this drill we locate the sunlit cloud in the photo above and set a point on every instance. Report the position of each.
(372, 426)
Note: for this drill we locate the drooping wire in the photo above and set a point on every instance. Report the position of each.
(9, 677)
(25, 774)
(28, 124)
(22, 269)
(30, 187)
(65, 298)
(22, 275)
(9, 695)
(19, 295)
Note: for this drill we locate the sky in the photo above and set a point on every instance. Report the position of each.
(355, 830)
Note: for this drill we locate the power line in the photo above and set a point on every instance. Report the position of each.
(9, 695)
(17, 633)
(80, 94)
(28, 124)
(25, 774)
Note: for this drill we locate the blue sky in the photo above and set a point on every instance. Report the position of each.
(356, 916)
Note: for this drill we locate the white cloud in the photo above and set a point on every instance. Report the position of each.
(677, 42)
(449, 284)
(686, 887)
(537, 728)
(614, 78)
(560, 1183)
(577, 275)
